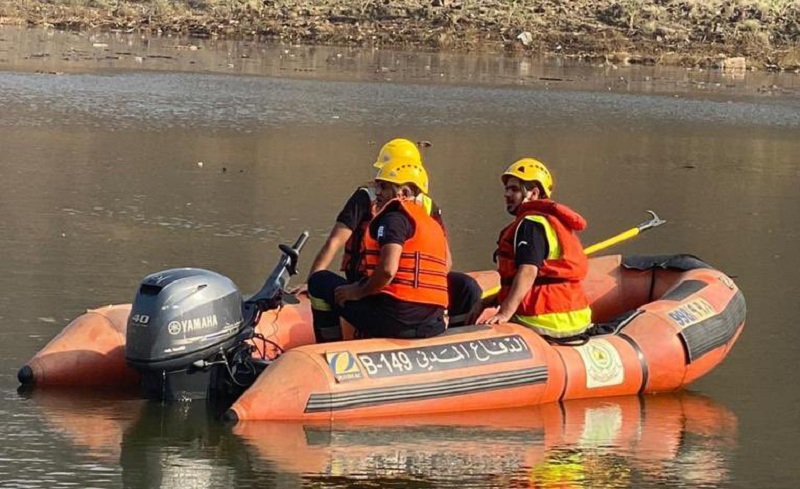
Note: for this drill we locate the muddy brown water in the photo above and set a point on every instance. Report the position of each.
(101, 140)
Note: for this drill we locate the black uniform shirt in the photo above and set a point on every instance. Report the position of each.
(357, 209)
(530, 244)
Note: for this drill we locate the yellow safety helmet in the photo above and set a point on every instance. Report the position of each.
(531, 170)
(396, 148)
(403, 170)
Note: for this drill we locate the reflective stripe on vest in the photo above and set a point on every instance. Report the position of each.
(558, 324)
(556, 305)
(422, 273)
(553, 246)
(426, 203)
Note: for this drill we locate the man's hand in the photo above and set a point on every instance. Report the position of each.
(349, 292)
(499, 317)
(523, 282)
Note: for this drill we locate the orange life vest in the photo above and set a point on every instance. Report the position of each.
(352, 264)
(557, 288)
(422, 274)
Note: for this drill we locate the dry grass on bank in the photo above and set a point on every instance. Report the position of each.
(766, 32)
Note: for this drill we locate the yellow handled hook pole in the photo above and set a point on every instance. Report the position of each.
(654, 221)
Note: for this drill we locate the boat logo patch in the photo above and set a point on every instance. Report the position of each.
(692, 312)
(603, 363)
(343, 365)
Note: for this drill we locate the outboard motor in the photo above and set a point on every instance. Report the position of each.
(179, 317)
(188, 330)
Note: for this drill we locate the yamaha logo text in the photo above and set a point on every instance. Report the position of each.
(191, 325)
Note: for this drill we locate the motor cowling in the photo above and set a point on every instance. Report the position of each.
(180, 316)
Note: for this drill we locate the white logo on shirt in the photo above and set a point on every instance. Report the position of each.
(380, 232)
(521, 243)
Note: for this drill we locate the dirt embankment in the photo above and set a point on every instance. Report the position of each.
(765, 33)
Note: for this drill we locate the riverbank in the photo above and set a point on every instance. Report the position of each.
(731, 34)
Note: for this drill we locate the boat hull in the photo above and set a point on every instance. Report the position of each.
(674, 318)
(677, 318)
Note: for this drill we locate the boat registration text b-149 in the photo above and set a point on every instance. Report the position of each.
(444, 357)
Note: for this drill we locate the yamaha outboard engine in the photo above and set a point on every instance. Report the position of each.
(189, 328)
(179, 317)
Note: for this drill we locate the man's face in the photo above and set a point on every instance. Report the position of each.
(384, 192)
(515, 194)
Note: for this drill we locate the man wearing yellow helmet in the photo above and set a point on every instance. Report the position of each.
(358, 212)
(539, 257)
(348, 233)
(404, 253)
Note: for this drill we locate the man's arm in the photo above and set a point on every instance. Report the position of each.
(336, 241)
(392, 231)
(530, 250)
(385, 270)
(354, 211)
(523, 281)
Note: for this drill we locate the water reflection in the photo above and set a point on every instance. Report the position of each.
(180, 446)
(52, 52)
(683, 440)
(92, 421)
(165, 446)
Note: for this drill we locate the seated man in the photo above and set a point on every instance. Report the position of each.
(348, 232)
(404, 256)
(539, 257)
(358, 211)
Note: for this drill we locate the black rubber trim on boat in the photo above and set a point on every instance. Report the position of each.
(682, 262)
(684, 290)
(715, 331)
(616, 324)
(642, 361)
(324, 402)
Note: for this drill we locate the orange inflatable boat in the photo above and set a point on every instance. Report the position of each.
(667, 320)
